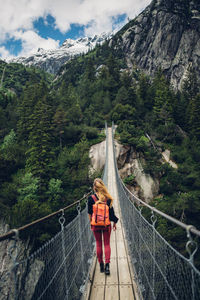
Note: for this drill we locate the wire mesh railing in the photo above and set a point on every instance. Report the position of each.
(161, 272)
(60, 268)
(57, 270)
(105, 171)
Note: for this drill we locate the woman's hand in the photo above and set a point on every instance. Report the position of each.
(114, 226)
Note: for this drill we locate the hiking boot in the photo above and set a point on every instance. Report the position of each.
(107, 269)
(102, 267)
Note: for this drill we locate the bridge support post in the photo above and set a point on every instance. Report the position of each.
(62, 221)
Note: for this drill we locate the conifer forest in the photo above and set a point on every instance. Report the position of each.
(48, 124)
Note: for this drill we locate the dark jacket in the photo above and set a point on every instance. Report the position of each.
(112, 216)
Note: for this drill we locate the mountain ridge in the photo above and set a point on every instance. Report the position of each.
(165, 35)
(51, 60)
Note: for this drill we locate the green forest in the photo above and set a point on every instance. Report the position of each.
(48, 123)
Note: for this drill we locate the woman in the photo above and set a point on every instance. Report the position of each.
(95, 203)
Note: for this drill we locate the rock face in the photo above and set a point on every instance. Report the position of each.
(129, 162)
(51, 60)
(7, 253)
(27, 272)
(166, 156)
(97, 156)
(165, 35)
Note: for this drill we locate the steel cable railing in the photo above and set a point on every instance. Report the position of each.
(60, 268)
(161, 272)
(57, 270)
(105, 172)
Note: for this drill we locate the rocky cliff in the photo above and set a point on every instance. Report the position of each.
(129, 163)
(165, 35)
(97, 156)
(13, 261)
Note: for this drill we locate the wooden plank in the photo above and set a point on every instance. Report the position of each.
(132, 271)
(113, 245)
(86, 294)
(126, 292)
(112, 236)
(113, 277)
(119, 235)
(137, 293)
(99, 278)
(113, 251)
(119, 284)
(118, 231)
(97, 292)
(121, 251)
(124, 273)
(111, 292)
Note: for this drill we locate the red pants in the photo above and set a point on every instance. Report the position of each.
(98, 233)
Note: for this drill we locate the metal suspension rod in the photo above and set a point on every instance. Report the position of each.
(11, 233)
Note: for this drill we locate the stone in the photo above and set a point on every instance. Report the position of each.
(28, 272)
(97, 156)
(165, 35)
(129, 162)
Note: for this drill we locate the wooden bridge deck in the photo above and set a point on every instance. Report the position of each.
(120, 283)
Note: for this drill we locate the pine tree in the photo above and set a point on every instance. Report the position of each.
(40, 153)
(74, 114)
(144, 94)
(194, 121)
(162, 102)
(32, 93)
(190, 85)
(59, 122)
(107, 104)
(113, 67)
(122, 96)
(179, 110)
(190, 90)
(89, 70)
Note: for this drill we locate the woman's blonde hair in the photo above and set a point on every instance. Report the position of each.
(101, 191)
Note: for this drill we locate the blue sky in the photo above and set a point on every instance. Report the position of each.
(27, 25)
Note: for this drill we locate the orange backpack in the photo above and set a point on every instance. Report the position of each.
(100, 216)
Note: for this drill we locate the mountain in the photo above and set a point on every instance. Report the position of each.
(165, 35)
(48, 123)
(51, 60)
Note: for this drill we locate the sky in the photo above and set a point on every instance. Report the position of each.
(26, 25)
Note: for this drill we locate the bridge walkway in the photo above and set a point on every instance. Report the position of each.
(120, 283)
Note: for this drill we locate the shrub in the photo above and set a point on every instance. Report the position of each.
(129, 179)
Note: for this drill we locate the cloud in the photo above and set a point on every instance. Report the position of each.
(17, 17)
(31, 41)
(106, 10)
(4, 53)
(97, 13)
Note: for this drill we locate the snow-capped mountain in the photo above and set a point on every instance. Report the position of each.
(51, 60)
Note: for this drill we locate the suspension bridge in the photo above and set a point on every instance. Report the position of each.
(143, 265)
